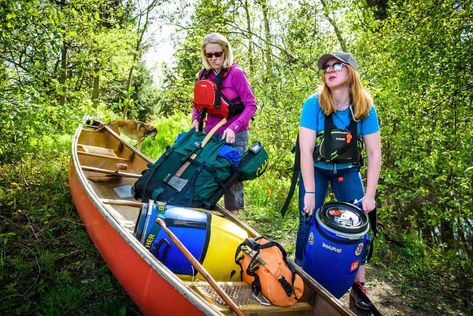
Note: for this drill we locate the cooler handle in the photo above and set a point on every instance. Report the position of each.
(155, 250)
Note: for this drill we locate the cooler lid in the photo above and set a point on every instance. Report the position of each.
(343, 217)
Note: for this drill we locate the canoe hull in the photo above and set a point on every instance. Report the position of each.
(103, 169)
(149, 290)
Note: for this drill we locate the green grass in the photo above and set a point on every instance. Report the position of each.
(48, 264)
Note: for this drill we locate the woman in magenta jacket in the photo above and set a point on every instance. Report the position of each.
(217, 56)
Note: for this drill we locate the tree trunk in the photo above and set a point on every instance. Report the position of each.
(250, 38)
(137, 52)
(96, 85)
(335, 27)
(268, 41)
(63, 74)
(446, 233)
(426, 234)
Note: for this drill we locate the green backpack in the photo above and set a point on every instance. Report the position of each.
(188, 174)
(252, 165)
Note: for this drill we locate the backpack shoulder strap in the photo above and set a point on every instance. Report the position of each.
(354, 133)
(218, 81)
(203, 73)
(295, 175)
(328, 126)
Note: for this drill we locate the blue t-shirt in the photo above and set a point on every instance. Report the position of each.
(312, 117)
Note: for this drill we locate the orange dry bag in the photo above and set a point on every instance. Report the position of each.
(265, 267)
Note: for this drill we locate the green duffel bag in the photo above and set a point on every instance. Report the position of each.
(188, 174)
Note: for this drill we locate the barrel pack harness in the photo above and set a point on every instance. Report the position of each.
(265, 267)
(339, 147)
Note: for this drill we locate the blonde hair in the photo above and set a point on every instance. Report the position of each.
(217, 38)
(359, 96)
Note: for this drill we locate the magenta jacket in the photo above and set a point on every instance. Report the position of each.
(234, 85)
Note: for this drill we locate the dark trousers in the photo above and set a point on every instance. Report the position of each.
(234, 198)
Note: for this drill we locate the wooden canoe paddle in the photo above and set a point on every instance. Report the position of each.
(234, 308)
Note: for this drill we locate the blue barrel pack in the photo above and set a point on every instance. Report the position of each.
(337, 245)
(211, 239)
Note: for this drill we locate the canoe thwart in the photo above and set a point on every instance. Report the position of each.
(85, 153)
(122, 202)
(111, 172)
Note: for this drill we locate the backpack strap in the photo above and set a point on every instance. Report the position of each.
(328, 127)
(374, 311)
(354, 146)
(373, 219)
(218, 80)
(295, 175)
(203, 73)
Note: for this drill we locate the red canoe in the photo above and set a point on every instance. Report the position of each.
(102, 167)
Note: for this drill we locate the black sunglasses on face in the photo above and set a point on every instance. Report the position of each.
(336, 67)
(216, 54)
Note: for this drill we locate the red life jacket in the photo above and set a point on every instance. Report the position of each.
(209, 97)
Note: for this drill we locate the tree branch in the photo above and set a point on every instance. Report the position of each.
(335, 27)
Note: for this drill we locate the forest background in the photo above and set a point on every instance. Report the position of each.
(63, 59)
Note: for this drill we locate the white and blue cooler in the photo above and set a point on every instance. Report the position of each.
(337, 245)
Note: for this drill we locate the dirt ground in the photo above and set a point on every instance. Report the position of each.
(384, 294)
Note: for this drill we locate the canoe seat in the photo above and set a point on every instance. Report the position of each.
(241, 294)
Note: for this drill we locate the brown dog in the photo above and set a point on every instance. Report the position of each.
(136, 130)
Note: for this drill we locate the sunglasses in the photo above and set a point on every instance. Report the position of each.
(216, 54)
(337, 67)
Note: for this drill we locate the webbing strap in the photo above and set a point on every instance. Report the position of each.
(218, 80)
(353, 143)
(295, 176)
(286, 286)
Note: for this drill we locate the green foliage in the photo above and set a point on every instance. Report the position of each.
(48, 263)
(415, 58)
(445, 273)
(422, 104)
(168, 130)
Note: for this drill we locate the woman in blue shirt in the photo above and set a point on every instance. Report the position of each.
(342, 96)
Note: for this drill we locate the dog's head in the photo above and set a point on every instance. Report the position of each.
(150, 130)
